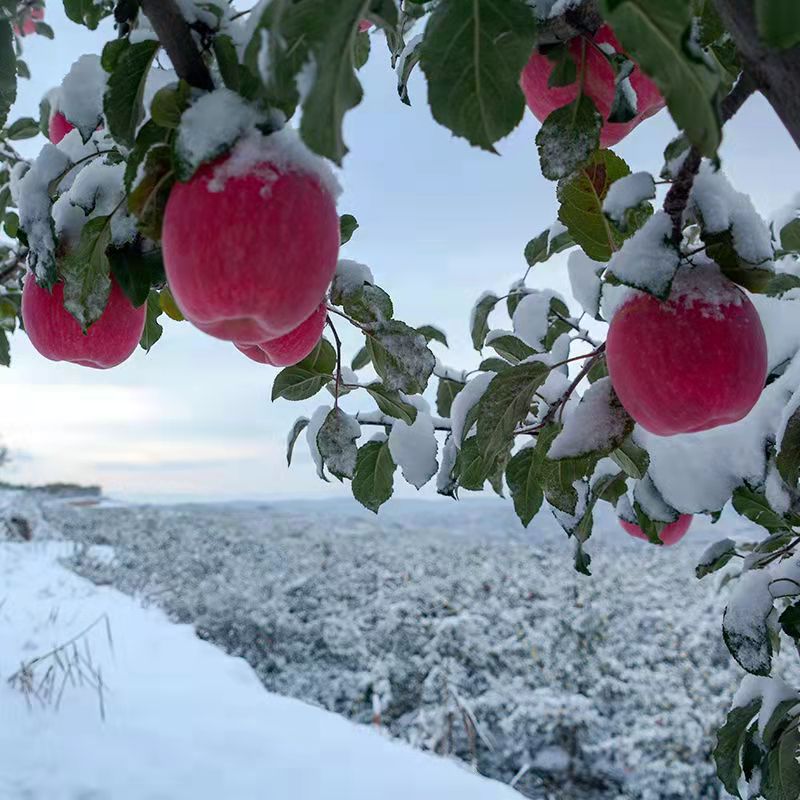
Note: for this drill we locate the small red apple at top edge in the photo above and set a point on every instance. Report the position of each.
(36, 14)
(670, 534)
(59, 127)
(248, 256)
(291, 347)
(598, 86)
(55, 333)
(693, 362)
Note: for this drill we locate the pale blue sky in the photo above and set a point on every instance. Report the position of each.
(440, 222)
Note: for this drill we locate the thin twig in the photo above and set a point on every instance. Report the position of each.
(338, 362)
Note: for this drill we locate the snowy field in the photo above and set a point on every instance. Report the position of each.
(445, 625)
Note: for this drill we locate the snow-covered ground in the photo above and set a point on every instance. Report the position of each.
(182, 719)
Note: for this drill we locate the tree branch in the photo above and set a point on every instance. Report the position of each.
(585, 19)
(678, 195)
(176, 37)
(776, 72)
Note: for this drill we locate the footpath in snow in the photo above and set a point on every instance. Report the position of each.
(182, 719)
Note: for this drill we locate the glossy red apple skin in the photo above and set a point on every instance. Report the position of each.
(59, 127)
(670, 534)
(291, 347)
(251, 262)
(55, 333)
(599, 87)
(686, 365)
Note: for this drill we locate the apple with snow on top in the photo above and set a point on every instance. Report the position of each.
(598, 85)
(693, 362)
(34, 15)
(250, 250)
(58, 127)
(670, 534)
(56, 334)
(291, 347)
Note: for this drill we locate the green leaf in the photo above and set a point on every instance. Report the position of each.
(730, 743)
(405, 67)
(22, 70)
(524, 478)
(300, 424)
(493, 365)
(23, 128)
(504, 405)
(657, 36)
(228, 61)
(86, 273)
(779, 720)
(390, 403)
(348, 225)
(754, 505)
(400, 356)
(470, 468)
(373, 481)
(582, 559)
(112, 51)
(336, 440)
(778, 22)
(565, 70)
(568, 137)
(122, 102)
(781, 776)
(43, 29)
(137, 270)
(721, 249)
(361, 48)
(5, 349)
(788, 459)
(479, 325)
(306, 378)
(88, 12)
(790, 236)
(543, 247)
(168, 104)
(360, 359)
(631, 459)
(511, 348)
(716, 557)
(148, 199)
(473, 54)
(8, 70)
(169, 306)
(445, 394)
(152, 329)
(433, 334)
(581, 197)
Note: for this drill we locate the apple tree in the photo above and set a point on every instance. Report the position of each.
(688, 400)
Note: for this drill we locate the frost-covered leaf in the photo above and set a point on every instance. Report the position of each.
(581, 196)
(400, 356)
(306, 378)
(373, 481)
(730, 743)
(657, 35)
(122, 103)
(348, 225)
(649, 259)
(505, 404)
(300, 424)
(478, 323)
(8, 70)
(391, 403)
(568, 137)
(472, 55)
(336, 441)
(446, 392)
(86, 273)
(778, 24)
(715, 557)
(598, 426)
(152, 328)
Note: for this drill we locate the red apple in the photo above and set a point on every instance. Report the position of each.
(364, 25)
(291, 347)
(56, 334)
(598, 86)
(35, 15)
(59, 127)
(691, 363)
(670, 534)
(249, 260)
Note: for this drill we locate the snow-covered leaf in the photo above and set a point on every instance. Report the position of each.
(409, 59)
(391, 403)
(400, 356)
(581, 196)
(744, 623)
(754, 505)
(715, 557)
(478, 324)
(446, 392)
(336, 441)
(433, 334)
(626, 194)
(568, 137)
(373, 481)
(414, 449)
(472, 55)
